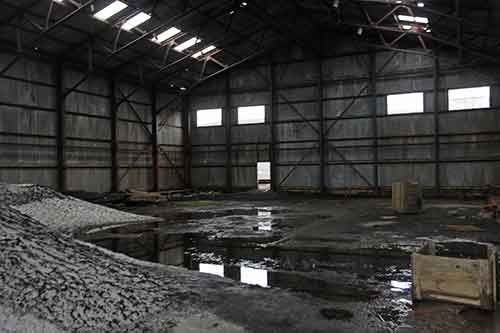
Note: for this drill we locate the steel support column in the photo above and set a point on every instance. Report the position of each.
(113, 111)
(459, 40)
(322, 178)
(60, 127)
(437, 148)
(373, 111)
(154, 141)
(228, 124)
(186, 133)
(272, 125)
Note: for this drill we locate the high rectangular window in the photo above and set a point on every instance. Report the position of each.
(251, 114)
(469, 98)
(405, 103)
(209, 117)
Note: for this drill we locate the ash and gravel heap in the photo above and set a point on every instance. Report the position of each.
(62, 212)
(80, 287)
(51, 282)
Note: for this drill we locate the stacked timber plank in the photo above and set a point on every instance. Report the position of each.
(407, 197)
(461, 272)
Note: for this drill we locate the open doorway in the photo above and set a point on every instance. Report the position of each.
(264, 176)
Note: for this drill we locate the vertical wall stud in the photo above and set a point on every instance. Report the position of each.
(186, 132)
(437, 148)
(373, 109)
(458, 14)
(60, 127)
(154, 141)
(113, 112)
(228, 124)
(272, 125)
(322, 178)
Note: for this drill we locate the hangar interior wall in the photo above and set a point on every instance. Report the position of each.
(327, 128)
(67, 143)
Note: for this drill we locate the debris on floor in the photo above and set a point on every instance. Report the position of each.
(335, 313)
(492, 208)
(144, 198)
(464, 228)
(378, 224)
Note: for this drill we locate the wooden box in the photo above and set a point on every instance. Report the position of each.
(456, 271)
(407, 198)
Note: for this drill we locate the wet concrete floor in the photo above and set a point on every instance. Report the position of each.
(335, 250)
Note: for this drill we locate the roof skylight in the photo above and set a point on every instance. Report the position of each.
(203, 52)
(167, 34)
(187, 44)
(135, 21)
(415, 19)
(110, 10)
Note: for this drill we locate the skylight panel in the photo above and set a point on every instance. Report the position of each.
(110, 10)
(415, 19)
(167, 34)
(204, 51)
(135, 21)
(187, 44)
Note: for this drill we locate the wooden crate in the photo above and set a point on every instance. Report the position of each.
(407, 198)
(456, 271)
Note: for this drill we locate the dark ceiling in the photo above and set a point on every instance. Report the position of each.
(240, 30)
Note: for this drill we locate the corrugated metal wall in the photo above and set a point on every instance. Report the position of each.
(357, 153)
(28, 131)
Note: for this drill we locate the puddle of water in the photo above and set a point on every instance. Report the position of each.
(400, 286)
(387, 282)
(332, 277)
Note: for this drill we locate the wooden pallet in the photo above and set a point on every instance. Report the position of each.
(440, 274)
(407, 198)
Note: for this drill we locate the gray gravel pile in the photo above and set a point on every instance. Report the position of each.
(62, 212)
(20, 194)
(51, 282)
(82, 288)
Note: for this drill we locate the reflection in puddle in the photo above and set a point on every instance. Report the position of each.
(263, 213)
(400, 286)
(254, 276)
(265, 223)
(212, 269)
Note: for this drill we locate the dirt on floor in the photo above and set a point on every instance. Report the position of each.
(350, 255)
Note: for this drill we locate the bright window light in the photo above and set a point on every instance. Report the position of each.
(204, 51)
(416, 19)
(405, 103)
(209, 117)
(167, 34)
(212, 269)
(469, 98)
(135, 21)
(254, 276)
(187, 44)
(251, 114)
(110, 10)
